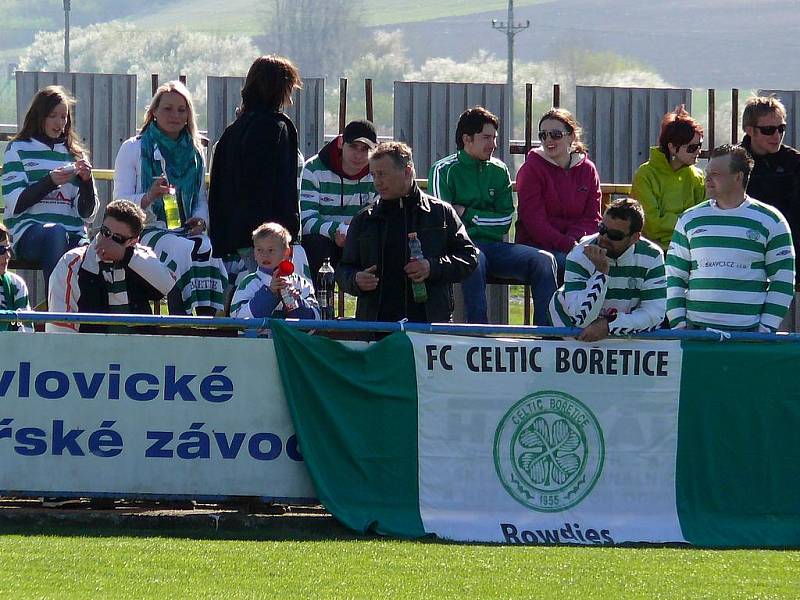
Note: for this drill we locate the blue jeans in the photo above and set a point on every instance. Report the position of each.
(531, 266)
(46, 244)
(561, 263)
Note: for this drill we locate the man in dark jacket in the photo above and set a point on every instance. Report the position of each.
(775, 179)
(376, 265)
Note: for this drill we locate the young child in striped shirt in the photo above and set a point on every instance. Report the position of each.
(266, 292)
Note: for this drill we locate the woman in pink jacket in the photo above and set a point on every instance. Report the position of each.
(558, 189)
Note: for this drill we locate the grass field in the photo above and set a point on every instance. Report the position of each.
(325, 561)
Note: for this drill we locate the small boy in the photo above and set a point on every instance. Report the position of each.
(13, 291)
(259, 293)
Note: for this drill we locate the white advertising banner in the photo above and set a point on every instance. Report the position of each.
(547, 441)
(145, 415)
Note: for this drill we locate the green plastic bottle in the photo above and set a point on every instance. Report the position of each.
(418, 289)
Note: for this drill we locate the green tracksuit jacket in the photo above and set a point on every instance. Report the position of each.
(483, 187)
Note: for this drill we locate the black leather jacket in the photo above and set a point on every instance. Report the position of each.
(445, 244)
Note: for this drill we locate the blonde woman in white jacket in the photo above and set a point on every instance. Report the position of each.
(167, 154)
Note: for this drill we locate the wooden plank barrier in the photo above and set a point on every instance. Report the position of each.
(620, 124)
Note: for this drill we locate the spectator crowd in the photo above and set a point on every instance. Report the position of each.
(690, 249)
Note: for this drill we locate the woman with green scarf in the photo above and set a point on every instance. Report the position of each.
(166, 163)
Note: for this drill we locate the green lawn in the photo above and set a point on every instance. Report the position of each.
(72, 561)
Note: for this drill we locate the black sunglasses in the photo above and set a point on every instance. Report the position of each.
(692, 148)
(771, 129)
(4, 249)
(115, 237)
(555, 134)
(615, 235)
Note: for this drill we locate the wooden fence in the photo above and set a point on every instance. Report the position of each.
(426, 114)
(620, 125)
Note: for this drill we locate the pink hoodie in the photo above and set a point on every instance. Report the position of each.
(557, 206)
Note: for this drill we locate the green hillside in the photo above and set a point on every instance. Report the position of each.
(246, 16)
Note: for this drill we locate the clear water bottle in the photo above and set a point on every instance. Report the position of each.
(418, 289)
(326, 280)
(284, 269)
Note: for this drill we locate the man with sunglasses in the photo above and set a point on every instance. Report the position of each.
(13, 290)
(614, 280)
(113, 274)
(730, 264)
(478, 186)
(775, 179)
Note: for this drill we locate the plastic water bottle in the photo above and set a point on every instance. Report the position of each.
(171, 210)
(326, 280)
(284, 269)
(418, 289)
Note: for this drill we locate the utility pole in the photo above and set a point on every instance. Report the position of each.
(510, 28)
(66, 34)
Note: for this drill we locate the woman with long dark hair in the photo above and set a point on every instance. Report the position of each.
(558, 188)
(669, 183)
(47, 182)
(254, 173)
(163, 170)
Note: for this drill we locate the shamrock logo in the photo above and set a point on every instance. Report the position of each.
(549, 451)
(550, 457)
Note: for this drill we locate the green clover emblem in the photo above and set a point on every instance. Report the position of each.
(551, 458)
(549, 451)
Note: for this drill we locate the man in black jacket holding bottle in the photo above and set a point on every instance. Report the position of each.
(376, 265)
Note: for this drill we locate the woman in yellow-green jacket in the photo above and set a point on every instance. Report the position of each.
(669, 183)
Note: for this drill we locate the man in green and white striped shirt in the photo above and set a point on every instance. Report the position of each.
(614, 281)
(730, 264)
(335, 185)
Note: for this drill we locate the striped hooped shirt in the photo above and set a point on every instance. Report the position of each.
(634, 289)
(730, 268)
(328, 202)
(13, 296)
(25, 162)
(259, 280)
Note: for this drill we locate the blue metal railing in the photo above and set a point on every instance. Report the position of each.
(352, 326)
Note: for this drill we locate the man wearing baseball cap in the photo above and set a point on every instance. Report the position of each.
(335, 185)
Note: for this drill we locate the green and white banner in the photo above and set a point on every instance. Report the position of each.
(542, 442)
